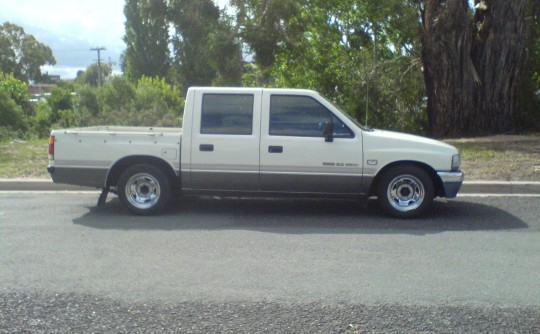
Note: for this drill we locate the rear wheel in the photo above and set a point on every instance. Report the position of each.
(144, 189)
(405, 191)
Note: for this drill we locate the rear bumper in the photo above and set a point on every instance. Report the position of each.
(451, 182)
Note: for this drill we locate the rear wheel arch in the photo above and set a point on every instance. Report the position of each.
(123, 164)
(144, 189)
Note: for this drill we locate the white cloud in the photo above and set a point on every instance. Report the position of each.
(70, 28)
(64, 71)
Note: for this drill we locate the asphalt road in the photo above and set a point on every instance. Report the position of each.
(229, 265)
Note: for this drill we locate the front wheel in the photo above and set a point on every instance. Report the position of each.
(144, 189)
(405, 191)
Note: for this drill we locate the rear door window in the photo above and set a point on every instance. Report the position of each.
(227, 114)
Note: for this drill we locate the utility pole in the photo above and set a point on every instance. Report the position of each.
(98, 49)
(111, 63)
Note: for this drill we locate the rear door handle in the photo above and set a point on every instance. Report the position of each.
(275, 149)
(206, 148)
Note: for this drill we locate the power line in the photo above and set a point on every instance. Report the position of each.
(69, 50)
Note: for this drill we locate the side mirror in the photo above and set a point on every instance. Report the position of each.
(329, 132)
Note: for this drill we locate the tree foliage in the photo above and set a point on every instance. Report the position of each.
(188, 42)
(264, 27)
(21, 54)
(193, 22)
(375, 77)
(146, 38)
(11, 114)
(17, 90)
(148, 102)
(14, 106)
(91, 75)
(225, 53)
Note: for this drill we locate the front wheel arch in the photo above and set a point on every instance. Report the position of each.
(405, 190)
(437, 183)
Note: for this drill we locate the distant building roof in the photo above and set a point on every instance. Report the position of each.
(40, 88)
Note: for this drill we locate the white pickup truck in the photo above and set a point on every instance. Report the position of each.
(257, 142)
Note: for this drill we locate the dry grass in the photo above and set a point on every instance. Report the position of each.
(24, 159)
(500, 158)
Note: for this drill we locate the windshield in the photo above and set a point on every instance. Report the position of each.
(360, 125)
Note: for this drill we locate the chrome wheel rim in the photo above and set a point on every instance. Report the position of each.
(405, 193)
(142, 191)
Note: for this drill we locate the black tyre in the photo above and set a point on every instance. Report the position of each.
(405, 191)
(144, 189)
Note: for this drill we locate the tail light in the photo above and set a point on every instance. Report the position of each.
(51, 148)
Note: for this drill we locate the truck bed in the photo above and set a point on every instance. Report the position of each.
(86, 156)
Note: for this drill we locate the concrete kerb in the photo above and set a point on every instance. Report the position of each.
(500, 187)
(469, 187)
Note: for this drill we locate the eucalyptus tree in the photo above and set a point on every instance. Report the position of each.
(225, 52)
(193, 20)
(528, 109)
(264, 27)
(147, 39)
(21, 54)
(472, 64)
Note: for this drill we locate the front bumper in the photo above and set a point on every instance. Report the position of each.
(451, 182)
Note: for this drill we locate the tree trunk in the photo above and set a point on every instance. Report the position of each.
(497, 53)
(471, 69)
(448, 70)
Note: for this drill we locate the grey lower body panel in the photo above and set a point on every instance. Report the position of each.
(277, 183)
(221, 181)
(311, 183)
(451, 182)
(90, 177)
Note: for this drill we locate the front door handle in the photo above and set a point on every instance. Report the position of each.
(206, 148)
(275, 149)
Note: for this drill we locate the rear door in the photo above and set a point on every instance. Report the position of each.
(295, 157)
(225, 140)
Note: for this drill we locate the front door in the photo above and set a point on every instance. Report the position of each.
(296, 156)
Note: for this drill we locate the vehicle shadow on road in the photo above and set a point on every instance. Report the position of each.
(297, 216)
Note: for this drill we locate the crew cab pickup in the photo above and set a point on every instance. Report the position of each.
(257, 142)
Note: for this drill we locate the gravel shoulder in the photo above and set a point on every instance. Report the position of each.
(79, 313)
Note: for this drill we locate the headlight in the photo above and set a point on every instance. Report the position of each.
(455, 162)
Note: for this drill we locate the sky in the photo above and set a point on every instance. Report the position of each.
(71, 28)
